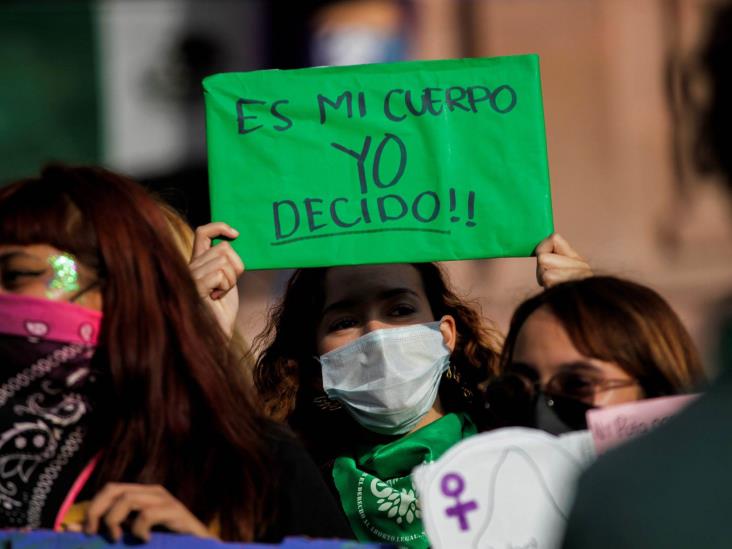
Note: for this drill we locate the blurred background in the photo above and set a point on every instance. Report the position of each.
(117, 82)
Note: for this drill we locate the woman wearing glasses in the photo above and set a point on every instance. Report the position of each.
(589, 343)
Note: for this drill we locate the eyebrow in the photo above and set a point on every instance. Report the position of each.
(560, 366)
(578, 364)
(382, 296)
(16, 253)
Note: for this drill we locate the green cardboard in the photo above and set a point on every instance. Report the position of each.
(403, 162)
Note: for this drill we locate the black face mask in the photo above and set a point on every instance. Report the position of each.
(557, 415)
(49, 393)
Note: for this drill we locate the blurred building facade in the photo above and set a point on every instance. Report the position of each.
(623, 189)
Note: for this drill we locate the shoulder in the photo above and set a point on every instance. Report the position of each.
(290, 456)
(288, 450)
(281, 441)
(304, 505)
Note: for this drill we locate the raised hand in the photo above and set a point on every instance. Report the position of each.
(215, 270)
(557, 262)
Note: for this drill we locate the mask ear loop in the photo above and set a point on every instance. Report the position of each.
(327, 404)
(323, 401)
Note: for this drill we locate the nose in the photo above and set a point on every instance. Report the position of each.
(373, 325)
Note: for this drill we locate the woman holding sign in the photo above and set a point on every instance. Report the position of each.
(379, 368)
(118, 390)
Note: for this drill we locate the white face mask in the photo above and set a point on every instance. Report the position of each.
(388, 379)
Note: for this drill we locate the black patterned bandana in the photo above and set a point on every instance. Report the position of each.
(48, 392)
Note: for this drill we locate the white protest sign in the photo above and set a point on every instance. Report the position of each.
(509, 488)
(613, 425)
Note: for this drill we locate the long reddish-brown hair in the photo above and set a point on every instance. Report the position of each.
(179, 410)
(286, 371)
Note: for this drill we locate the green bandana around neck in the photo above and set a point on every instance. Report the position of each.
(376, 488)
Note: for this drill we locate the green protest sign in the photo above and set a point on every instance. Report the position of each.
(403, 162)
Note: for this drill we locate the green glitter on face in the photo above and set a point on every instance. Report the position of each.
(65, 275)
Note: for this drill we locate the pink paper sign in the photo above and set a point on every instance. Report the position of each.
(615, 424)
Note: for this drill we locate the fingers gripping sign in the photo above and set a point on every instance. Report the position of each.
(215, 270)
(557, 261)
(154, 506)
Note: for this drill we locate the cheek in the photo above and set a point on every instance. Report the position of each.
(618, 396)
(37, 288)
(331, 342)
(91, 300)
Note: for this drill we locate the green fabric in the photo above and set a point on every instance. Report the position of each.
(375, 486)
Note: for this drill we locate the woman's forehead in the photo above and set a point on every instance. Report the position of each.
(365, 280)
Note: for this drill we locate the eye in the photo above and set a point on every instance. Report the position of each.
(14, 278)
(576, 380)
(577, 383)
(403, 309)
(342, 324)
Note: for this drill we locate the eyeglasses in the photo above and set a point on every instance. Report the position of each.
(511, 398)
(581, 381)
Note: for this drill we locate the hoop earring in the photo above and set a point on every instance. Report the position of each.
(322, 402)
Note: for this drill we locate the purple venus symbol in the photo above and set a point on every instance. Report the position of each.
(452, 486)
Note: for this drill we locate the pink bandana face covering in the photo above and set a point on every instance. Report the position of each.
(49, 391)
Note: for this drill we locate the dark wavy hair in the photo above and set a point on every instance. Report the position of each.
(287, 376)
(619, 321)
(178, 410)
